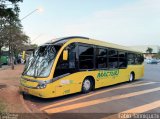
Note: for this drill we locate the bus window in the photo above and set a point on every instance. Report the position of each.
(122, 59)
(131, 58)
(113, 58)
(101, 58)
(72, 60)
(139, 59)
(136, 59)
(86, 56)
(69, 66)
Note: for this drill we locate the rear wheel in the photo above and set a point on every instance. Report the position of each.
(87, 85)
(131, 78)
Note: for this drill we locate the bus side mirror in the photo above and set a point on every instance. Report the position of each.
(23, 55)
(65, 55)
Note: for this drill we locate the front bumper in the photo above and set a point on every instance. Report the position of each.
(31, 87)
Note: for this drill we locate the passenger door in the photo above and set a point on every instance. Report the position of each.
(65, 69)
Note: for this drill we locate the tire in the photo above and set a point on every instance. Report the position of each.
(131, 78)
(87, 85)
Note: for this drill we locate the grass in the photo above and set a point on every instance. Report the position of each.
(2, 107)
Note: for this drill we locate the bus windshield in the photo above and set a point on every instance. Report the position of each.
(40, 62)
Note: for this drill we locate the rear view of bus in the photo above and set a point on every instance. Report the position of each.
(76, 64)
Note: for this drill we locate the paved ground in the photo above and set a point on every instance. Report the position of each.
(142, 96)
(152, 72)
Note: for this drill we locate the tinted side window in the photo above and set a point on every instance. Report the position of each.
(85, 50)
(113, 58)
(86, 56)
(101, 58)
(139, 59)
(70, 65)
(131, 58)
(122, 59)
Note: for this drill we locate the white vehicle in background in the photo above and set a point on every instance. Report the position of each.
(151, 61)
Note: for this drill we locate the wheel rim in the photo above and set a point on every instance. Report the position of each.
(87, 84)
(131, 77)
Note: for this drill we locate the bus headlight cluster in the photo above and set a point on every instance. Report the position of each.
(41, 86)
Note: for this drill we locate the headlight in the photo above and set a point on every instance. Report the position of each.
(41, 86)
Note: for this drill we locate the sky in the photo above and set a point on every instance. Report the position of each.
(124, 22)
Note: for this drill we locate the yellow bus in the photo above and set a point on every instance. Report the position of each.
(78, 64)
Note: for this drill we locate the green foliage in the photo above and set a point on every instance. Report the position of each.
(9, 12)
(18, 38)
(9, 15)
(149, 50)
(2, 107)
(11, 34)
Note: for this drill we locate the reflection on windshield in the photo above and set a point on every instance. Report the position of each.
(40, 62)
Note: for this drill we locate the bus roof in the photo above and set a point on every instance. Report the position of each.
(64, 39)
(91, 41)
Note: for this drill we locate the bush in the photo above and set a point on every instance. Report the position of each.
(2, 107)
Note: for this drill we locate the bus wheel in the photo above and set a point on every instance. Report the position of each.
(131, 78)
(86, 86)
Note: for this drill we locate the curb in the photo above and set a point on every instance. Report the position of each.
(4, 68)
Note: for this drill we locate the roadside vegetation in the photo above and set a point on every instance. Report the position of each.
(12, 35)
(157, 55)
(150, 51)
(2, 107)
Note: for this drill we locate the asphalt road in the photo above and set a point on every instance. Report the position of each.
(152, 72)
(118, 101)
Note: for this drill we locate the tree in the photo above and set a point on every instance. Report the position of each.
(19, 38)
(149, 50)
(9, 18)
(2, 38)
(15, 39)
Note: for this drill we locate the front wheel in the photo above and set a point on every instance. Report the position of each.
(131, 78)
(86, 86)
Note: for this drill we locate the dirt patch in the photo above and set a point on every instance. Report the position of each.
(8, 73)
(9, 89)
(11, 97)
(11, 101)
